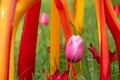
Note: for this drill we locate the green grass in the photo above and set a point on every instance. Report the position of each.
(90, 35)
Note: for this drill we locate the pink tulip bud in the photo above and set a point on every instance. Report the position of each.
(117, 9)
(74, 49)
(44, 19)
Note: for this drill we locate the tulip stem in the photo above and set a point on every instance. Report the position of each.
(73, 27)
(70, 72)
(78, 70)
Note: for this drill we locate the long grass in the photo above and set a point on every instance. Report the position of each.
(90, 35)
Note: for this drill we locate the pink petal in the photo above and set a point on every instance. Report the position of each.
(117, 9)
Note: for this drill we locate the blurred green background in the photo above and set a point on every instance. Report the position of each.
(90, 35)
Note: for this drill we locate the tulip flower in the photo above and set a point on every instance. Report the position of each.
(79, 20)
(65, 24)
(74, 49)
(117, 9)
(58, 76)
(44, 19)
(66, 17)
